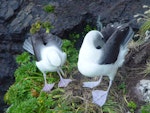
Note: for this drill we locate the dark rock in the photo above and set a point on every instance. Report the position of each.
(3, 30)
(22, 20)
(8, 8)
(14, 4)
(9, 13)
(8, 66)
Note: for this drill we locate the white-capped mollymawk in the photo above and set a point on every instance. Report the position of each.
(49, 56)
(103, 59)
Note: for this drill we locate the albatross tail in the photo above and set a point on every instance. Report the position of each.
(128, 37)
(27, 45)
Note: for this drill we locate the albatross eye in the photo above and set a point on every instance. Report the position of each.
(98, 47)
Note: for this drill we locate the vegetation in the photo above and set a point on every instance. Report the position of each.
(72, 55)
(38, 25)
(145, 108)
(49, 8)
(144, 19)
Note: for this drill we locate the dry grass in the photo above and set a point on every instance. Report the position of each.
(81, 98)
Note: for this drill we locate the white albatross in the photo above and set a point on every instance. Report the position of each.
(95, 61)
(49, 56)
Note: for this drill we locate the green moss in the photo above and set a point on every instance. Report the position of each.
(35, 27)
(49, 8)
(38, 25)
(47, 26)
(132, 105)
(72, 55)
(145, 108)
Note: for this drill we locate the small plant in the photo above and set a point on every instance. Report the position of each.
(35, 27)
(145, 108)
(144, 18)
(122, 86)
(23, 58)
(38, 25)
(131, 105)
(88, 28)
(47, 26)
(111, 107)
(49, 8)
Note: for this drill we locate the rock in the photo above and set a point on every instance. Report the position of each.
(143, 90)
(9, 13)
(22, 21)
(8, 66)
(8, 7)
(14, 4)
(3, 30)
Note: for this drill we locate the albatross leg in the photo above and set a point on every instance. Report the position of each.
(92, 84)
(100, 96)
(47, 87)
(63, 82)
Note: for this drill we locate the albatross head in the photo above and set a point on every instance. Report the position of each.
(95, 38)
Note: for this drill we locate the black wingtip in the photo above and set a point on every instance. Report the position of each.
(128, 37)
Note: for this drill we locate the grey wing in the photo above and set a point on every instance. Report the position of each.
(128, 37)
(27, 45)
(38, 45)
(112, 47)
(52, 40)
(109, 30)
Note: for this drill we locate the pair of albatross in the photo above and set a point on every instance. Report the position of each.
(101, 54)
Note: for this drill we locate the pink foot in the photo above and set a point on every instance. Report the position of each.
(99, 97)
(90, 84)
(47, 87)
(64, 82)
